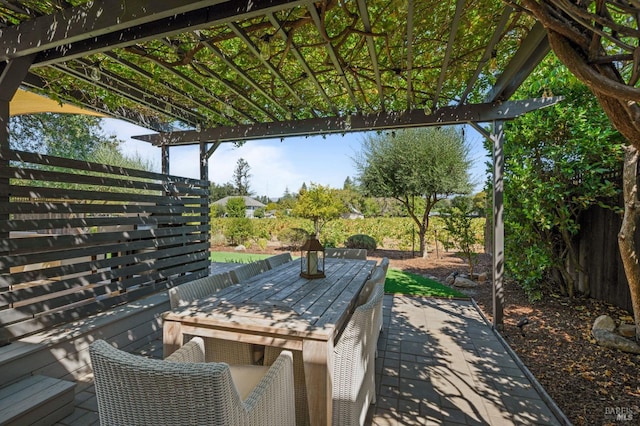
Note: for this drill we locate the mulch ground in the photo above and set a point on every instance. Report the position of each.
(590, 384)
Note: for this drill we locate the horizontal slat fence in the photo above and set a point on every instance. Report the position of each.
(82, 237)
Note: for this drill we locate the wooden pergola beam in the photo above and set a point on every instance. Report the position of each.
(463, 114)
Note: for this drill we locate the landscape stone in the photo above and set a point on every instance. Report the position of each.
(240, 248)
(604, 322)
(627, 330)
(463, 282)
(612, 340)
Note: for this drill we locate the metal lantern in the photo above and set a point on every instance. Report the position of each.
(312, 259)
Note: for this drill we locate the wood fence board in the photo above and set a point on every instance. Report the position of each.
(81, 237)
(28, 208)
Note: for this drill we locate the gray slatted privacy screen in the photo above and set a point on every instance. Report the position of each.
(82, 237)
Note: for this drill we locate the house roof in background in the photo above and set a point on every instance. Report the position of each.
(248, 201)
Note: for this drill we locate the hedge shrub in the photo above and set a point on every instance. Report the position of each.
(361, 241)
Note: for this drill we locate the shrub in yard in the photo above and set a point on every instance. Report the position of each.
(361, 241)
(218, 239)
(239, 230)
(293, 237)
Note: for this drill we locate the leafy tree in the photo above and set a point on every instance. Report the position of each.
(217, 210)
(241, 177)
(239, 230)
(555, 164)
(479, 201)
(286, 203)
(109, 153)
(236, 207)
(417, 167)
(458, 222)
(62, 135)
(320, 204)
(598, 42)
(218, 192)
(259, 213)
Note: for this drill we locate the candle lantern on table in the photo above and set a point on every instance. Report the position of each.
(312, 259)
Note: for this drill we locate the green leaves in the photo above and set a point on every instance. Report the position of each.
(559, 161)
(418, 167)
(320, 204)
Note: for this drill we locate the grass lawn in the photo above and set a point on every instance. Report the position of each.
(232, 257)
(396, 282)
(415, 285)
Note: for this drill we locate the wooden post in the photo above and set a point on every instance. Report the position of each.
(497, 136)
(12, 73)
(4, 165)
(204, 161)
(165, 159)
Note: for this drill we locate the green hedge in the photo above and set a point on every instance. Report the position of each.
(389, 233)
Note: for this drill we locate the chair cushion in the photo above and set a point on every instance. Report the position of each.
(246, 377)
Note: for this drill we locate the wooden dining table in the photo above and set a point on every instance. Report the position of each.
(282, 309)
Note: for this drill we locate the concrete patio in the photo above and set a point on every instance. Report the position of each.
(439, 363)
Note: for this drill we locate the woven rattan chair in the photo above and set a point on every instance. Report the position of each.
(248, 270)
(345, 253)
(354, 364)
(302, 411)
(183, 294)
(351, 394)
(384, 264)
(377, 277)
(217, 350)
(134, 390)
(278, 259)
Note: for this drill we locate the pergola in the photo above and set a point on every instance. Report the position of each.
(209, 72)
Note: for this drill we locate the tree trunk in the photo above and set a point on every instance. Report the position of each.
(628, 230)
(422, 235)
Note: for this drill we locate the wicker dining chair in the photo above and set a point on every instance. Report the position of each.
(183, 389)
(183, 294)
(378, 276)
(248, 270)
(217, 350)
(345, 253)
(354, 387)
(384, 264)
(278, 259)
(354, 367)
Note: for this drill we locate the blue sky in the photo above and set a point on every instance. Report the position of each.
(275, 165)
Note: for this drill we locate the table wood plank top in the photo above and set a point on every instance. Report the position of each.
(279, 301)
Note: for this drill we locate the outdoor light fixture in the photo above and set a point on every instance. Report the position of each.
(265, 46)
(312, 259)
(95, 73)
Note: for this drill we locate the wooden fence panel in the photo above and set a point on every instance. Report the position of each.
(603, 277)
(84, 237)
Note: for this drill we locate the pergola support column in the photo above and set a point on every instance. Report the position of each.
(497, 137)
(204, 161)
(165, 159)
(11, 75)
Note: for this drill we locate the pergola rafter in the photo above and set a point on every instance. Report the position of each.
(303, 63)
